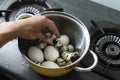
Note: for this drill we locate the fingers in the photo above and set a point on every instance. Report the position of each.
(42, 36)
(49, 24)
(52, 27)
(41, 22)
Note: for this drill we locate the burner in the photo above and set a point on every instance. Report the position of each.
(107, 47)
(30, 9)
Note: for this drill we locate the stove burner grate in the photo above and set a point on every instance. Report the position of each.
(107, 47)
(31, 9)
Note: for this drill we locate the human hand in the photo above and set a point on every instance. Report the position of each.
(31, 28)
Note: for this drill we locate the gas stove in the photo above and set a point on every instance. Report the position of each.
(103, 24)
(10, 10)
(105, 42)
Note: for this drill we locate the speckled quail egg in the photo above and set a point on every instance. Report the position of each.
(35, 54)
(70, 48)
(64, 39)
(51, 53)
(53, 37)
(66, 55)
(49, 64)
(75, 56)
(42, 45)
(69, 62)
(64, 48)
(61, 62)
(58, 45)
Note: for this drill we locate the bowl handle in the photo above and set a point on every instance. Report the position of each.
(88, 68)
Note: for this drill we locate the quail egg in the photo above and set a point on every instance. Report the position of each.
(58, 45)
(53, 37)
(61, 62)
(66, 55)
(64, 48)
(35, 54)
(69, 62)
(75, 56)
(42, 45)
(70, 48)
(49, 64)
(64, 39)
(51, 53)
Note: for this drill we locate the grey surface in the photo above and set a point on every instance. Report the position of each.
(12, 62)
(109, 3)
(85, 8)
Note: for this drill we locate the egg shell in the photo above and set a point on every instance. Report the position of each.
(35, 54)
(61, 62)
(75, 56)
(51, 53)
(64, 39)
(49, 64)
(58, 45)
(70, 48)
(42, 45)
(53, 36)
(66, 55)
(64, 48)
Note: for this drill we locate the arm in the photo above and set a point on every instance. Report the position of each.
(7, 32)
(30, 28)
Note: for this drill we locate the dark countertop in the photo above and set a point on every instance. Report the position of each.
(12, 62)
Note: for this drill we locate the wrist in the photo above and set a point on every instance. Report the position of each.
(14, 29)
(18, 28)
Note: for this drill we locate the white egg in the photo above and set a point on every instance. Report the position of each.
(64, 40)
(51, 53)
(35, 54)
(49, 64)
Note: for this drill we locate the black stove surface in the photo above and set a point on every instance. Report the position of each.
(14, 66)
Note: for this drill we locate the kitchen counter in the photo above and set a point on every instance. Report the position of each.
(12, 62)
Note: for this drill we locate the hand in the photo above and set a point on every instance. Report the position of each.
(31, 28)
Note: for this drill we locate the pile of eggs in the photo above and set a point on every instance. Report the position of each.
(58, 54)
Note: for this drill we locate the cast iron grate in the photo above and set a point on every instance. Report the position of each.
(106, 44)
(27, 8)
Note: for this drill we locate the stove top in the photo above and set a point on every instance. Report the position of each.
(102, 22)
(105, 43)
